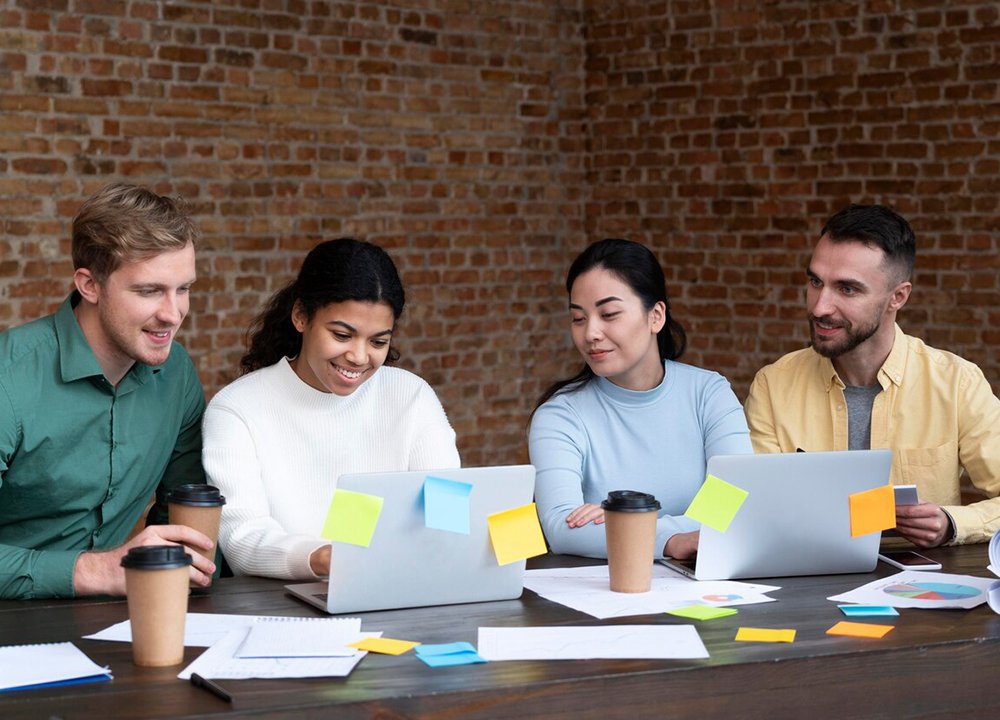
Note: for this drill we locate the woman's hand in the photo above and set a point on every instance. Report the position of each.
(588, 512)
(682, 546)
(319, 561)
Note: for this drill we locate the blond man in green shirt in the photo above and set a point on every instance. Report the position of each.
(864, 383)
(99, 407)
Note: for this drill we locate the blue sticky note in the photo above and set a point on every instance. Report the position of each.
(866, 610)
(446, 505)
(463, 658)
(444, 649)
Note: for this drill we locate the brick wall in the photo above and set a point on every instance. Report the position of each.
(724, 134)
(447, 131)
(483, 143)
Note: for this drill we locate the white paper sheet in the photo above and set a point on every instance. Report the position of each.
(585, 643)
(301, 637)
(200, 629)
(219, 662)
(993, 592)
(24, 666)
(916, 589)
(586, 589)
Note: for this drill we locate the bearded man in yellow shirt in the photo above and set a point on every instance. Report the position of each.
(865, 384)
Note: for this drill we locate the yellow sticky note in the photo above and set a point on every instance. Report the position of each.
(716, 504)
(764, 635)
(386, 646)
(352, 518)
(872, 510)
(516, 534)
(854, 629)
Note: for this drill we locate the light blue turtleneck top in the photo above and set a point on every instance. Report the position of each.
(587, 442)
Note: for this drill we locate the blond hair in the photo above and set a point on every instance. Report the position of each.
(127, 223)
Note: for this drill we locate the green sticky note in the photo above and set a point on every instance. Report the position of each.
(352, 518)
(701, 612)
(716, 504)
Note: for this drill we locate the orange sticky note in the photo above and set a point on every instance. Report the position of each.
(872, 510)
(854, 629)
(746, 634)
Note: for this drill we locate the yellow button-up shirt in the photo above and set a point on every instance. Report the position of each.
(936, 412)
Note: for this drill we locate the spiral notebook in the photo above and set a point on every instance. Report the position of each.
(36, 666)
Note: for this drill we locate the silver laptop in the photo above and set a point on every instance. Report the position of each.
(795, 519)
(409, 565)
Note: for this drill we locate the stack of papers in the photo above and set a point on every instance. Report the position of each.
(587, 589)
(34, 666)
(587, 643)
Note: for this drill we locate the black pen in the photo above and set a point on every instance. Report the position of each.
(206, 684)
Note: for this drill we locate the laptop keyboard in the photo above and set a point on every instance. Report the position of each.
(321, 596)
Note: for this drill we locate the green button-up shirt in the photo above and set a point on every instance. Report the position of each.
(79, 458)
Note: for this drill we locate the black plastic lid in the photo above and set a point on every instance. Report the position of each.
(630, 501)
(200, 495)
(156, 557)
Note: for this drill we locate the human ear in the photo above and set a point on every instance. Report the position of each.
(658, 316)
(900, 294)
(87, 285)
(299, 317)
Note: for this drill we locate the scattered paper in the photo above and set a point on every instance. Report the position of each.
(872, 510)
(716, 503)
(993, 592)
(448, 654)
(702, 612)
(587, 589)
(852, 629)
(384, 646)
(765, 635)
(516, 534)
(220, 662)
(867, 610)
(200, 629)
(446, 505)
(916, 589)
(301, 637)
(27, 666)
(352, 517)
(586, 643)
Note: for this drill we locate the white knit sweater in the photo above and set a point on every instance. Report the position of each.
(275, 447)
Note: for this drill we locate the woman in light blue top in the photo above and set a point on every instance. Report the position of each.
(632, 418)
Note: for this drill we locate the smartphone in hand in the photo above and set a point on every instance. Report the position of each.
(908, 560)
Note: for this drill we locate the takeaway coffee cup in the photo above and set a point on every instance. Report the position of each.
(630, 529)
(156, 585)
(198, 507)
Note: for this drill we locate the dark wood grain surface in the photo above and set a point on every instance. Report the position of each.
(935, 664)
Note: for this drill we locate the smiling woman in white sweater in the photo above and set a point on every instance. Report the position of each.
(315, 402)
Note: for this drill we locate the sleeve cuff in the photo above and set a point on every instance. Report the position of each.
(298, 560)
(52, 573)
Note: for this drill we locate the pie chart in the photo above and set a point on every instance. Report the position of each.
(932, 591)
(721, 598)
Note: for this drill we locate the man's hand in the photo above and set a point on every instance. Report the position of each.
(588, 512)
(925, 525)
(682, 545)
(101, 573)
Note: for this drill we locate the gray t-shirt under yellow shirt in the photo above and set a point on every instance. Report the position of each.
(859, 415)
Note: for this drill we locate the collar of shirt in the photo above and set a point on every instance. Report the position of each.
(891, 371)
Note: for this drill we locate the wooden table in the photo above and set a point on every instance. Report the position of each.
(934, 664)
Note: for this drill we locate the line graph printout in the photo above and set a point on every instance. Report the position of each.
(672, 642)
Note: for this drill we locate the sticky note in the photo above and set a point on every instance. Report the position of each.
(859, 629)
(516, 534)
(386, 646)
(872, 510)
(716, 503)
(764, 635)
(352, 518)
(448, 654)
(701, 612)
(863, 610)
(446, 505)
(445, 648)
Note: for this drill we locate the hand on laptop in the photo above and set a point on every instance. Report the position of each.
(588, 512)
(924, 525)
(682, 545)
(319, 561)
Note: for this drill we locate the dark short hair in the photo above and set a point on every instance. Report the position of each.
(877, 226)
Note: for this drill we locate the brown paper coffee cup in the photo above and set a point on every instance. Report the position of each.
(198, 507)
(156, 586)
(630, 531)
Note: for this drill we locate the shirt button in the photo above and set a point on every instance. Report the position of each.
(899, 379)
(840, 407)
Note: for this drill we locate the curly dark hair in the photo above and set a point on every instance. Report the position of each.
(334, 271)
